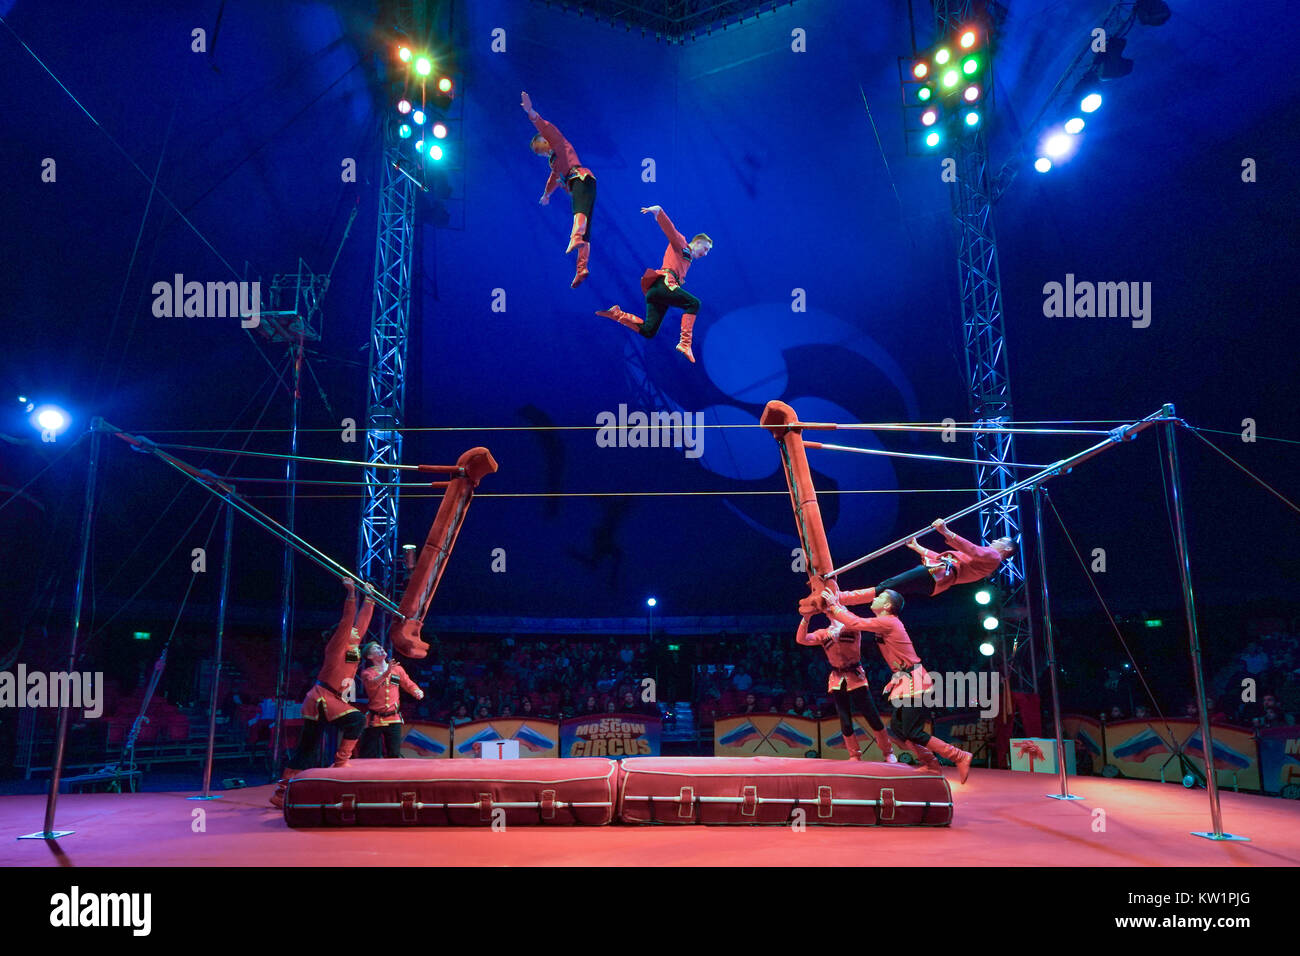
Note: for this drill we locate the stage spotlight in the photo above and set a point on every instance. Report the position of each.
(972, 94)
(924, 94)
(1111, 65)
(404, 54)
(991, 623)
(967, 39)
(970, 66)
(1057, 145)
(435, 152)
(928, 117)
(439, 131)
(973, 118)
(983, 596)
(418, 117)
(52, 419)
(424, 66)
(986, 649)
(1152, 13)
(444, 85)
(932, 139)
(1090, 103)
(1074, 125)
(1042, 164)
(419, 146)
(650, 602)
(942, 56)
(950, 79)
(403, 106)
(404, 131)
(920, 71)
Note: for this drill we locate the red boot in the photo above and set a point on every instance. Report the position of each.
(579, 230)
(684, 343)
(926, 761)
(851, 744)
(622, 318)
(282, 785)
(344, 753)
(580, 274)
(948, 752)
(886, 748)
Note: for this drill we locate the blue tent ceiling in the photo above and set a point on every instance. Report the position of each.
(769, 151)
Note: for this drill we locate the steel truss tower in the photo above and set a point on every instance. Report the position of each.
(987, 377)
(389, 332)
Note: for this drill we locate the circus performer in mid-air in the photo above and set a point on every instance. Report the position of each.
(577, 180)
(326, 702)
(664, 287)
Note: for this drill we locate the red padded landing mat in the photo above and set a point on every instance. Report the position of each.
(746, 790)
(454, 792)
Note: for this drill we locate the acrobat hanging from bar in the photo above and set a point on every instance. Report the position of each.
(964, 563)
(664, 287)
(577, 180)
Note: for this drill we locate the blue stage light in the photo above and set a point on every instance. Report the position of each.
(1042, 164)
(1090, 103)
(650, 602)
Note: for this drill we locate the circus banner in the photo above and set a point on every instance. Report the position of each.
(764, 735)
(1146, 750)
(1087, 736)
(832, 739)
(611, 735)
(1279, 755)
(537, 737)
(426, 739)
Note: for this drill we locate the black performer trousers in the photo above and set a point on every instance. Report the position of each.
(914, 583)
(385, 741)
(659, 299)
(859, 699)
(908, 723)
(350, 727)
(582, 192)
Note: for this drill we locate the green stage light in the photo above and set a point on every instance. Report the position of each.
(424, 66)
(942, 56)
(932, 139)
(950, 79)
(983, 596)
(141, 635)
(404, 131)
(924, 93)
(970, 65)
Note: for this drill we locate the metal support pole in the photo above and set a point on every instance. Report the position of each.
(1050, 643)
(286, 593)
(1189, 606)
(217, 654)
(61, 736)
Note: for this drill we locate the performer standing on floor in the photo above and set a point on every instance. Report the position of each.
(384, 681)
(847, 683)
(578, 181)
(909, 682)
(663, 287)
(938, 571)
(324, 703)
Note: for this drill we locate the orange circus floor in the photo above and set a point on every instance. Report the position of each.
(1002, 819)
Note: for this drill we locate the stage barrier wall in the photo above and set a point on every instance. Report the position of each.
(611, 735)
(537, 737)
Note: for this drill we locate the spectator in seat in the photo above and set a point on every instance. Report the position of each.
(741, 679)
(751, 705)
(591, 705)
(800, 707)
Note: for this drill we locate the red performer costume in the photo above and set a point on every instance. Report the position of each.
(577, 180)
(910, 678)
(847, 684)
(663, 287)
(324, 703)
(384, 681)
(964, 564)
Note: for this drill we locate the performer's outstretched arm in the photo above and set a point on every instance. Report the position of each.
(666, 224)
(553, 138)
(968, 548)
(803, 637)
(837, 612)
(343, 632)
(363, 619)
(408, 685)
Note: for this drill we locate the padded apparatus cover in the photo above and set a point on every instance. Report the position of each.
(455, 792)
(749, 790)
